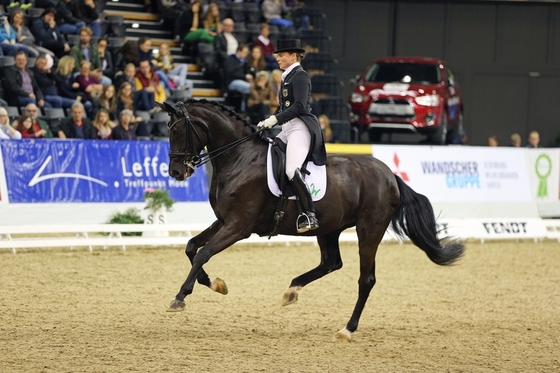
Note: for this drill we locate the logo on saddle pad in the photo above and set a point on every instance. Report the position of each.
(316, 180)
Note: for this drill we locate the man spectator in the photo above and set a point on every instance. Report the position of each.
(225, 42)
(33, 111)
(48, 35)
(77, 126)
(22, 85)
(146, 79)
(65, 17)
(86, 10)
(533, 140)
(47, 84)
(237, 73)
(85, 51)
(267, 46)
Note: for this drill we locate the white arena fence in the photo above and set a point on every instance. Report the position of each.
(106, 235)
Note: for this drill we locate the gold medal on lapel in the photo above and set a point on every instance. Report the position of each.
(287, 103)
(285, 92)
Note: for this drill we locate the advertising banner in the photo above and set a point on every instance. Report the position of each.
(461, 173)
(544, 174)
(3, 187)
(93, 171)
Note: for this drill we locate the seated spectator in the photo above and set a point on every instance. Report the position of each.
(273, 10)
(125, 130)
(190, 26)
(492, 141)
(256, 59)
(88, 84)
(77, 126)
(28, 130)
(533, 140)
(145, 52)
(237, 73)
(7, 132)
(267, 46)
(65, 17)
(177, 72)
(32, 111)
(23, 4)
(261, 98)
(126, 101)
(86, 10)
(103, 124)
(66, 83)
(46, 81)
(127, 75)
(276, 79)
(25, 36)
(108, 101)
(22, 85)
(84, 51)
(147, 80)
(48, 35)
(107, 67)
(325, 124)
(515, 140)
(226, 43)
(8, 43)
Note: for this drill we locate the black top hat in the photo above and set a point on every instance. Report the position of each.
(289, 45)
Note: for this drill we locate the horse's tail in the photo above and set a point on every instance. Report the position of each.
(415, 218)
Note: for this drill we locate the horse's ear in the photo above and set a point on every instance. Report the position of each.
(165, 107)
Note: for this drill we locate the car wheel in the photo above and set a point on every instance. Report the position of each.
(375, 134)
(440, 136)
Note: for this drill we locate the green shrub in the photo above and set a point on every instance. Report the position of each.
(130, 216)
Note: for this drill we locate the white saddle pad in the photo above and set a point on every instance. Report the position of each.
(317, 180)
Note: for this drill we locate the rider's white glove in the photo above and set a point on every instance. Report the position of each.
(268, 122)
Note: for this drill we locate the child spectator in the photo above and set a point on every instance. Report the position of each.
(108, 101)
(103, 124)
(28, 130)
(175, 72)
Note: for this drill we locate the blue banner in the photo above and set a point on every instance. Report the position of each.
(93, 171)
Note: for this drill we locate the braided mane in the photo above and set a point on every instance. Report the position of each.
(221, 107)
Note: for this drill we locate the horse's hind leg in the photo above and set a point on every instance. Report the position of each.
(368, 243)
(330, 261)
(195, 243)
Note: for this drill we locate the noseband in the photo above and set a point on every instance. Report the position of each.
(188, 156)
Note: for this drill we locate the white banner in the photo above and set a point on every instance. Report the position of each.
(533, 228)
(460, 173)
(544, 174)
(3, 185)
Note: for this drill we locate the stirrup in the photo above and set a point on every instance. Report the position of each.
(306, 222)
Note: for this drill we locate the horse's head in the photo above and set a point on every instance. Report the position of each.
(185, 141)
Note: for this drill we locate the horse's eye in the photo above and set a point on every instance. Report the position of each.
(179, 132)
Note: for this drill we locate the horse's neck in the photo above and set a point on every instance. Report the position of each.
(249, 154)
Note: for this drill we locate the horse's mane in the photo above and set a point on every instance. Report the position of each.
(222, 107)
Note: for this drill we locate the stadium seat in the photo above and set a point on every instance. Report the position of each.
(13, 112)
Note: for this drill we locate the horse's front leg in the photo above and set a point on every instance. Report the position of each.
(330, 261)
(224, 238)
(217, 284)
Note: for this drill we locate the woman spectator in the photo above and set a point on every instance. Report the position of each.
(125, 130)
(256, 59)
(177, 72)
(325, 124)
(67, 85)
(27, 130)
(191, 26)
(6, 130)
(125, 101)
(24, 35)
(107, 67)
(103, 124)
(108, 101)
(261, 98)
(91, 86)
(8, 42)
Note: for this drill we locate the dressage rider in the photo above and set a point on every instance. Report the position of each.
(300, 129)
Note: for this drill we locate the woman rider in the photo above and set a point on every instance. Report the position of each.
(300, 129)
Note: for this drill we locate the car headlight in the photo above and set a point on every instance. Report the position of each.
(428, 100)
(357, 98)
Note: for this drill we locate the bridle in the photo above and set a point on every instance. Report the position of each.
(188, 155)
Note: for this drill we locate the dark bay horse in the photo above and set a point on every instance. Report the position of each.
(361, 191)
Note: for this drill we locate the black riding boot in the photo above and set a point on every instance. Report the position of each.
(307, 220)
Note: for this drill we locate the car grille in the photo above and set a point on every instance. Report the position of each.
(391, 108)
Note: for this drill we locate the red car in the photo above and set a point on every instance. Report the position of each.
(407, 94)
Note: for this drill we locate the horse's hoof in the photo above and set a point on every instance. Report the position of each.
(290, 297)
(343, 335)
(219, 286)
(176, 306)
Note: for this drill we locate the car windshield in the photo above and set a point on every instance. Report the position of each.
(403, 72)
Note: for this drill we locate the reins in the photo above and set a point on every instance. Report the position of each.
(192, 160)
